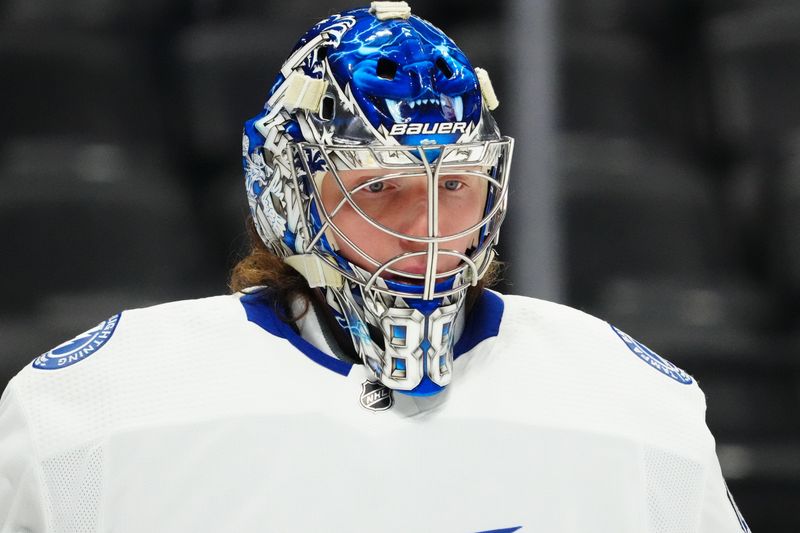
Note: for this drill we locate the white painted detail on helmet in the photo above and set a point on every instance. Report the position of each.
(304, 92)
(487, 91)
(390, 10)
(332, 36)
(428, 128)
(394, 109)
(317, 272)
(458, 107)
(299, 55)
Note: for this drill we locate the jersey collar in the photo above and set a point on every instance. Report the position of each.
(483, 322)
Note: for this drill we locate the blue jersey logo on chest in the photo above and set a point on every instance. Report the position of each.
(653, 359)
(79, 348)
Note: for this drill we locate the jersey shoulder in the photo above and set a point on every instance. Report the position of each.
(145, 331)
(596, 375)
(586, 341)
(577, 329)
(165, 363)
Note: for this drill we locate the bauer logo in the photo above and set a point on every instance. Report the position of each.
(79, 348)
(428, 128)
(376, 396)
(653, 359)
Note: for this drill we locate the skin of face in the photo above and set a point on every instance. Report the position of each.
(401, 204)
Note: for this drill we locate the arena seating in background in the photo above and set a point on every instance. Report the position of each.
(615, 15)
(755, 61)
(784, 234)
(714, 7)
(298, 13)
(764, 477)
(631, 209)
(116, 15)
(610, 87)
(224, 211)
(58, 317)
(82, 217)
(225, 72)
(304, 13)
(79, 86)
(629, 85)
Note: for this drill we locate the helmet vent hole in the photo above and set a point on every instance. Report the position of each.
(322, 53)
(326, 110)
(386, 68)
(445, 69)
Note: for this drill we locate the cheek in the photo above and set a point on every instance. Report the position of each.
(461, 213)
(369, 239)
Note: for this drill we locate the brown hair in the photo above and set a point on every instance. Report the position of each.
(282, 284)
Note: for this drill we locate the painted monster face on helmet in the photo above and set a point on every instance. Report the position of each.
(407, 72)
(372, 118)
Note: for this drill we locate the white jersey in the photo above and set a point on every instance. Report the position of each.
(212, 415)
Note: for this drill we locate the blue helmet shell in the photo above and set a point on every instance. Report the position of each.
(402, 71)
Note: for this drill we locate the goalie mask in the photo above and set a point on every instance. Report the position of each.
(376, 170)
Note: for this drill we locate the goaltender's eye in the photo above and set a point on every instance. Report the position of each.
(453, 185)
(375, 187)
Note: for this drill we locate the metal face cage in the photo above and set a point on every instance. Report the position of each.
(487, 160)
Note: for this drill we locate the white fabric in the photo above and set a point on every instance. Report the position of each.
(304, 92)
(487, 89)
(193, 419)
(390, 10)
(317, 272)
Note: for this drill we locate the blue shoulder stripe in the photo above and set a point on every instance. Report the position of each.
(482, 323)
(261, 314)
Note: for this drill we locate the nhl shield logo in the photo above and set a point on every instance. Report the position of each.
(376, 396)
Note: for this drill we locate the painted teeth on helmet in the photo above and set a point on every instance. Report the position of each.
(458, 108)
(394, 106)
(444, 104)
(394, 109)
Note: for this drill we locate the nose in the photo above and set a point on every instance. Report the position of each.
(414, 220)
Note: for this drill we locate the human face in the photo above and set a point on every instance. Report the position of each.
(401, 205)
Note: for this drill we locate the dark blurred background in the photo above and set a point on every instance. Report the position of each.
(656, 177)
